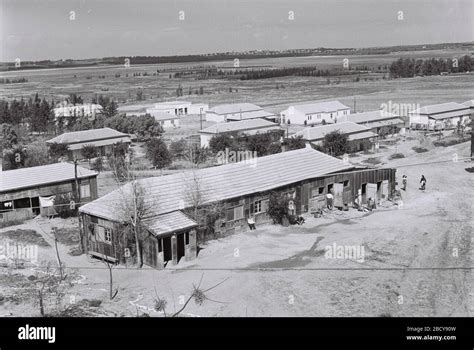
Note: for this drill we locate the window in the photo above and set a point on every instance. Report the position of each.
(104, 234)
(238, 212)
(257, 207)
(85, 191)
(321, 190)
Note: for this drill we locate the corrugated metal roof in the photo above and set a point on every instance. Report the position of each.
(318, 132)
(240, 126)
(87, 136)
(169, 193)
(320, 107)
(40, 175)
(170, 222)
(361, 135)
(442, 108)
(76, 146)
(252, 115)
(469, 103)
(371, 116)
(232, 108)
(382, 123)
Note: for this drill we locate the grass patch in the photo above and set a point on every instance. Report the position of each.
(419, 149)
(26, 237)
(12, 223)
(396, 156)
(68, 236)
(450, 141)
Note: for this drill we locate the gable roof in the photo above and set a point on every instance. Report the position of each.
(240, 126)
(348, 128)
(320, 107)
(11, 180)
(88, 135)
(169, 222)
(233, 108)
(441, 109)
(372, 116)
(165, 194)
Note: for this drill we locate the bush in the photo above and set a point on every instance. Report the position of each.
(449, 142)
(396, 156)
(278, 207)
(372, 161)
(419, 149)
(63, 205)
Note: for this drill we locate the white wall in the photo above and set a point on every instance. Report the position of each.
(205, 139)
(297, 117)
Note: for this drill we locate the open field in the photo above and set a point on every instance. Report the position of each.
(409, 267)
(58, 83)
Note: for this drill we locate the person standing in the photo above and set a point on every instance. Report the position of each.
(251, 222)
(329, 199)
(423, 182)
(404, 182)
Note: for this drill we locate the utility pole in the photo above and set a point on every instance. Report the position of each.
(78, 192)
(355, 105)
(200, 118)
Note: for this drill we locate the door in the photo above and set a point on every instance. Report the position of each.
(385, 189)
(371, 191)
(338, 195)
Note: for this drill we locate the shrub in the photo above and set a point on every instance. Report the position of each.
(396, 156)
(63, 205)
(372, 161)
(278, 207)
(419, 149)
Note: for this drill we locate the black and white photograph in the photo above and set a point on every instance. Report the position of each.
(214, 159)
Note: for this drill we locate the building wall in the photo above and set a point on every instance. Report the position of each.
(425, 122)
(296, 117)
(169, 124)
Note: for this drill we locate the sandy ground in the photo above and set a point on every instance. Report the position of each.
(417, 258)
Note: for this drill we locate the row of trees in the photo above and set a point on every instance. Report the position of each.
(409, 67)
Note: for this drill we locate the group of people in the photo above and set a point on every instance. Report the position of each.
(422, 182)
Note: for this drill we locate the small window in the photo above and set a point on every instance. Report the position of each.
(257, 207)
(108, 235)
(346, 183)
(85, 191)
(321, 190)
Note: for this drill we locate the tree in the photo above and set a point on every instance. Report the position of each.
(98, 164)
(278, 207)
(9, 136)
(198, 295)
(14, 158)
(157, 152)
(89, 152)
(178, 149)
(65, 205)
(47, 288)
(58, 150)
(37, 154)
(117, 161)
(294, 143)
(335, 143)
(221, 142)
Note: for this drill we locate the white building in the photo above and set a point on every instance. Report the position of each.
(238, 111)
(178, 108)
(439, 116)
(247, 127)
(84, 110)
(166, 120)
(315, 113)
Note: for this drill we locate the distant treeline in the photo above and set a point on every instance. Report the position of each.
(13, 80)
(410, 67)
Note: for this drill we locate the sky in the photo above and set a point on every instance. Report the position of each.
(63, 29)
